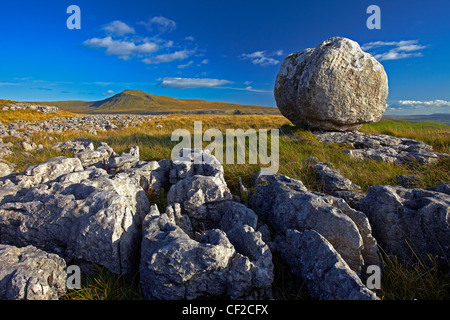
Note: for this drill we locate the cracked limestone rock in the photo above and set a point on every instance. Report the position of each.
(174, 266)
(326, 274)
(286, 204)
(48, 170)
(30, 274)
(84, 215)
(409, 222)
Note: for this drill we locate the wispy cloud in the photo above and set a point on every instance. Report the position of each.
(191, 83)
(118, 27)
(169, 57)
(262, 57)
(8, 83)
(160, 23)
(107, 93)
(394, 50)
(434, 103)
(249, 89)
(182, 66)
(123, 48)
(418, 107)
(150, 50)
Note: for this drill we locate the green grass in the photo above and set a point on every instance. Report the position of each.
(420, 280)
(432, 133)
(400, 281)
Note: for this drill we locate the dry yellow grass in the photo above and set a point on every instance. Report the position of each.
(31, 115)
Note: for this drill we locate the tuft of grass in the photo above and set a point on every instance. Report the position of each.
(419, 280)
(104, 285)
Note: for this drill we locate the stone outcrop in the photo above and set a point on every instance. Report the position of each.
(236, 263)
(328, 277)
(409, 223)
(192, 162)
(335, 86)
(331, 179)
(80, 215)
(382, 147)
(33, 107)
(30, 274)
(287, 205)
(48, 170)
(90, 124)
(204, 244)
(125, 161)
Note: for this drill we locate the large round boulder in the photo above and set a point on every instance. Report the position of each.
(335, 86)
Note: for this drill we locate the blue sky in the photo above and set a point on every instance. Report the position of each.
(216, 50)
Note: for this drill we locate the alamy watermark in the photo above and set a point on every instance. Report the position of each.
(74, 20)
(73, 280)
(374, 280)
(235, 144)
(374, 21)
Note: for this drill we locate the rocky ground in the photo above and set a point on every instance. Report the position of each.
(94, 207)
(90, 124)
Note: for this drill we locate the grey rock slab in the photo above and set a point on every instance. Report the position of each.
(332, 180)
(382, 147)
(86, 216)
(48, 170)
(409, 222)
(30, 274)
(312, 258)
(286, 204)
(175, 266)
(192, 162)
(199, 196)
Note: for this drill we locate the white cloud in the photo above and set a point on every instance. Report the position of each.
(162, 24)
(7, 83)
(262, 57)
(122, 48)
(182, 66)
(107, 93)
(250, 89)
(190, 83)
(169, 57)
(399, 49)
(189, 38)
(435, 103)
(394, 55)
(279, 53)
(118, 27)
(418, 107)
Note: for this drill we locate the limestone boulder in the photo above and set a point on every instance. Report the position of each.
(335, 86)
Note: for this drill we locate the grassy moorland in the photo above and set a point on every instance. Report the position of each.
(399, 282)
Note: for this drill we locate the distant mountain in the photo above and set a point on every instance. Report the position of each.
(435, 117)
(140, 102)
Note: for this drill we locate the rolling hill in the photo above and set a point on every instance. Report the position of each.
(140, 102)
